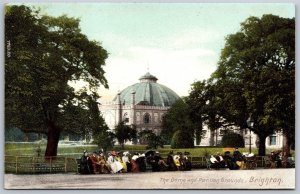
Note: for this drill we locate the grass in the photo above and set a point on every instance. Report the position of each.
(29, 149)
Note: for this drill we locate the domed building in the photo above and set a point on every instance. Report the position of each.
(142, 104)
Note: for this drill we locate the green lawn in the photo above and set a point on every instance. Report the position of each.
(29, 149)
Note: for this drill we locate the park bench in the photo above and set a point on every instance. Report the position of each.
(198, 161)
(251, 162)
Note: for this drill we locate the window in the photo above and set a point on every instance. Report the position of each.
(147, 118)
(126, 118)
(155, 117)
(273, 140)
(138, 118)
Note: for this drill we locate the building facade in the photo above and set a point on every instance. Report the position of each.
(214, 138)
(142, 104)
(145, 103)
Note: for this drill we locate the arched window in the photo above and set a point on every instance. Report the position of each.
(147, 118)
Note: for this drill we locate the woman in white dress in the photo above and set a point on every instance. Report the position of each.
(115, 165)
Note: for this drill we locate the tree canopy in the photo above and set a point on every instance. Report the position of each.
(44, 55)
(178, 119)
(125, 133)
(151, 139)
(256, 76)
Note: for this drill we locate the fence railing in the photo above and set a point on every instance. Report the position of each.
(31, 165)
(60, 164)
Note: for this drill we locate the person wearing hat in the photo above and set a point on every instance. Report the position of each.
(119, 159)
(239, 158)
(273, 160)
(170, 161)
(237, 155)
(114, 164)
(176, 161)
(126, 160)
(159, 162)
(95, 164)
(220, 159)
(84, 163)
(104, 168)
(134, 164)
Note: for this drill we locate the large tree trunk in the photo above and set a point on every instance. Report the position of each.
(53, 138)
(286, 149)
(198, 136)
(262, 145)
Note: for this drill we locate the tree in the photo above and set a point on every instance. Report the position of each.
(182, 139)
(125, 133)
(205, 107)
(43, 55)
(197, 101)
(15, 135)
(256, 75)
(177, 118)
(231, 139)
(102, 135)
(104, 139)
(152, 139)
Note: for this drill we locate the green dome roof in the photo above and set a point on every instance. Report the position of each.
(148, 92)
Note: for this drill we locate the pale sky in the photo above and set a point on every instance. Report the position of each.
(180, 43)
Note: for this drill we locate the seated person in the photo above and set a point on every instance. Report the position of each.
(95, 164)
(104, 167)
(159, 162)
(170, 161)
(185, 162)
(229, 161)
(275, 160)
(176, 161)
(119, 159)
(141, 161)
(85, 163)
(238, 158)
(115, 165)
(237, 155)
(126, 160)
(220, 159)
(134, 164)
(214, 162)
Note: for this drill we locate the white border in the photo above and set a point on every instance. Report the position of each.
(296, 2)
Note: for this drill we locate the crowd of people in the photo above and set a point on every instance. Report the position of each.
(116, 162)
(245, 161)
(233, 162)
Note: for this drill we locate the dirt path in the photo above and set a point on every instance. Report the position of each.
(197, 179)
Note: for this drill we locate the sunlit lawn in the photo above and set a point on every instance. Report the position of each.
(29, 149)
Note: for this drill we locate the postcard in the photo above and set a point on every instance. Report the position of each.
(149, 96)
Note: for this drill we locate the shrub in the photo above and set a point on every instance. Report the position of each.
(232, 140)
(182, 139)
